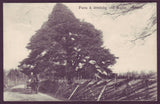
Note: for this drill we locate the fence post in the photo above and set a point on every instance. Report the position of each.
(99, 97)
(115, 79)
(73, 92)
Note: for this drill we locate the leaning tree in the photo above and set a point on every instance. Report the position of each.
(65, 46)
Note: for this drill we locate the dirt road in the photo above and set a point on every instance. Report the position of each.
(18, 93)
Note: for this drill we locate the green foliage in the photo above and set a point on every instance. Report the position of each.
(66, 47)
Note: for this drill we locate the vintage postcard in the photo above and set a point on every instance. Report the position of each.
(104, 51)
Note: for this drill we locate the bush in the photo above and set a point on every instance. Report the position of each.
(48, 86)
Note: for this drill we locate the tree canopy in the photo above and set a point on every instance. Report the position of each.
(64, 46)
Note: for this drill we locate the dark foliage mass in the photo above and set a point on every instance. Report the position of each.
(67, 47)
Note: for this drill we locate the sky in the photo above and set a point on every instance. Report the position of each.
(22, 20)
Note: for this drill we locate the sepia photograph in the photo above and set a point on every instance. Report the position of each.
(80, 51)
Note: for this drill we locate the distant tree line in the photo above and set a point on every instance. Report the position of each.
(13, 77)
(136, 75)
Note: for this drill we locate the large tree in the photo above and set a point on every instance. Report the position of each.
(67, 47)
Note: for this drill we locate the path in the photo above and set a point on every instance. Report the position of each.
(18, 93)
